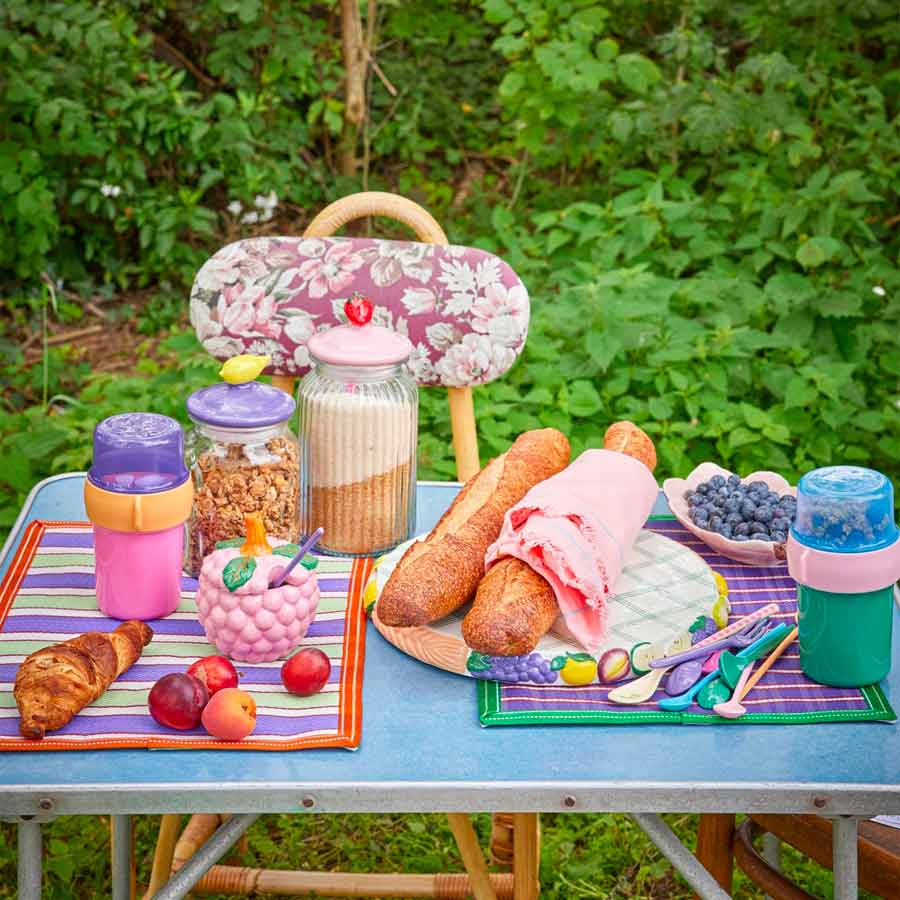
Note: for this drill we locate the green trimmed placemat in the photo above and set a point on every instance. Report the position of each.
(783, 696)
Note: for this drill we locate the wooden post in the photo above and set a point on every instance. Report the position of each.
(462, 425)
(472, 857)
(526, 850)
(714, 847)
(355, 64)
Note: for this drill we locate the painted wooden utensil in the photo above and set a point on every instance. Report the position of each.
(684, 675)
(645, 687)
(305, 547)
(731, 667)
(738, 625)
(733, 708)
(683, 701)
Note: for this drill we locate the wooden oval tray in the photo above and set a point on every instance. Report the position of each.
(664, 587)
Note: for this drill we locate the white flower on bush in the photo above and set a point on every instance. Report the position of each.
(235, 208)
(420, 366)
(878, 290)
(267, 204)
(419, 301)
(502, 313)
(204, 324)
(110, 190)
(442, 335)
(249, 218)
(476, 360)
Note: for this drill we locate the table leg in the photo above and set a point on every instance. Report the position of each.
(526, 848)
(29, 860)
(472, 855)
(681, 858)
(844, 850)
(121, 857)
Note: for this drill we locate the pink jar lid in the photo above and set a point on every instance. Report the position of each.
(360, 343)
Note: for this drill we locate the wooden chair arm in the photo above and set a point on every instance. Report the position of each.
(758, 870)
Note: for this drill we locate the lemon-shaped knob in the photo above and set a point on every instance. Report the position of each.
(243, 368)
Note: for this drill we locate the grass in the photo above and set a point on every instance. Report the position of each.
(582, 856)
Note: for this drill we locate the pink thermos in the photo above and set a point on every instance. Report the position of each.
(138, 497)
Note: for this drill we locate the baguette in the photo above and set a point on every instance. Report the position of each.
(513, 609)
(514, 606)
(439, 574)
(56, 682)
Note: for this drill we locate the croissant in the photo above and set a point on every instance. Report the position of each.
(56, 682)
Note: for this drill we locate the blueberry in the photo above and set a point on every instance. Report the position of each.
(759, 536)
(741, 537)
(733, 481)
(726, 530)
(742, 529)
(748, 508)
(732, 504)
(759, 485)
(716, 481)
(733, 518)
(763, 514)
(780, 523)
(716, 522)
(779, 536)
(703, 488)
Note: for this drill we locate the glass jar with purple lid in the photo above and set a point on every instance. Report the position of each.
(244, 459)
(138, 496)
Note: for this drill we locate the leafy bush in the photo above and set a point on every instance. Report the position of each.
(701, 198)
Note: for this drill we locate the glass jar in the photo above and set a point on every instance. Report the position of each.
(358, 432)
(243, 459)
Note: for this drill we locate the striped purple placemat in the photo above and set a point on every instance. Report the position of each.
(49, 596)
(783, 695)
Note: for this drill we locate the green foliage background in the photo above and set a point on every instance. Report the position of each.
(702, 198)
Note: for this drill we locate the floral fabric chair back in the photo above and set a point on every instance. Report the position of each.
(465, 310)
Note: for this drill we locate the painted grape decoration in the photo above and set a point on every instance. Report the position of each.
(512, 669)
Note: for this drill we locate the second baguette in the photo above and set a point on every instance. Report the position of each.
(439, 574)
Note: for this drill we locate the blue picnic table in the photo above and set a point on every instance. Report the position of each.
(423, 750)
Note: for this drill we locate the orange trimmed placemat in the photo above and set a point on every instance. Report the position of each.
(48, 596)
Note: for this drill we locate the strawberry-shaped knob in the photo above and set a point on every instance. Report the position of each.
(359, 309)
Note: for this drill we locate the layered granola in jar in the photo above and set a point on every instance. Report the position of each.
(244, 459)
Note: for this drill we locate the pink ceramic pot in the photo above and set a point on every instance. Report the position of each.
(255, 623)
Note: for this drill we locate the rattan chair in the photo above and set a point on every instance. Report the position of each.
(462, 340)
(720, 845)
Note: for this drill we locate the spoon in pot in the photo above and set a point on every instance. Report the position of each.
(280, 574)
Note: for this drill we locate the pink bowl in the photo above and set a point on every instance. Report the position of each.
(754, 553)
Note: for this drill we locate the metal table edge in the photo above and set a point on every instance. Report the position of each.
(405, 796)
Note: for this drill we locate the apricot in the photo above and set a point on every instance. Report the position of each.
(230, 714)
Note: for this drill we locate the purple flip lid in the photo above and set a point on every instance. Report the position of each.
(248, 405)
(138, 453)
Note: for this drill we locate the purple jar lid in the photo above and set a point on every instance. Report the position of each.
(248, 405)
(138, 453)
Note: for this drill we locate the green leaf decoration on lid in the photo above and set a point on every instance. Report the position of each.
(238, 572)
(232, 542)
(478, 662)
(287, 550)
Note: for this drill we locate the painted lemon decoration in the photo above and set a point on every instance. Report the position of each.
(575, 668)
(722, 607)
(243, 368)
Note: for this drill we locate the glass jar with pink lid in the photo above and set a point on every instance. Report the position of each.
(358, 432)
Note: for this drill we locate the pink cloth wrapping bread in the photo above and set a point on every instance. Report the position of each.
(576, 529)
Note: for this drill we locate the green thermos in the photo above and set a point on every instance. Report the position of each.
(843, 551)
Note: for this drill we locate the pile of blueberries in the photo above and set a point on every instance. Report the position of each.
(741, 512)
